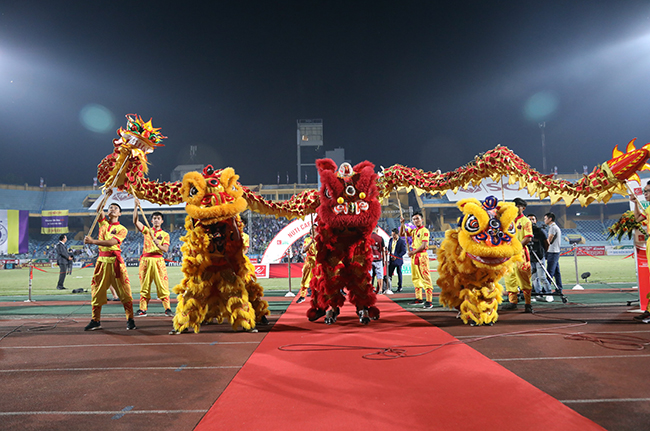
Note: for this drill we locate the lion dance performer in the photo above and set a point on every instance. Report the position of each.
(219, 281)
(309, 249)
(419, 259)
(347, 213)
(475, 256)
(110, 269)
(519, 276)
(152, 267)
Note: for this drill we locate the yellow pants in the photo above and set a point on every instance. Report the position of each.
(307, 271)
(421, 276)
(104, 277)
(153, 270)
(519, 276)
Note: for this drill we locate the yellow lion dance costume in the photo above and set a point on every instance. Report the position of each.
(475, 256)
(218, 279)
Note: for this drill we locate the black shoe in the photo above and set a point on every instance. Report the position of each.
(428, 304)
(130, 324)
(399, 289)
(93, 325)
(416, 302)
(300, 299)
(640, 317)
(264, 321)
(168, 312)
(528, 308)
(646, 320)
(142, 313)
(509, 306)
(60, 288)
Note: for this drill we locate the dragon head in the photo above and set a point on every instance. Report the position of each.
(212, 196)
(348, 196)
(139, 134)
(624, 165)
(487, 232)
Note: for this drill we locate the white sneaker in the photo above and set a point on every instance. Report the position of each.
(549, 298)
(389, 292)
(533, 300)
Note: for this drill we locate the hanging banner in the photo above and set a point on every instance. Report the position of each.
(126, 202)
(14, 232)
(489, 187)
(54, 222)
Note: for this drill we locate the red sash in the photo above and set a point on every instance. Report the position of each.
(152, 255)
(118, 260)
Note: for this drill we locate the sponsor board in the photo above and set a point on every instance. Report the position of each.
(261, 270)
(173, 263)
(585, 250)
(613, 251)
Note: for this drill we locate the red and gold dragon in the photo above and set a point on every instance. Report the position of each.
(126, 168)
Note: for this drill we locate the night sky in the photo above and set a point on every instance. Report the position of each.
(428, 84)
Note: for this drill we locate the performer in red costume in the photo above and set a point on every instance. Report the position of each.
(348, 211)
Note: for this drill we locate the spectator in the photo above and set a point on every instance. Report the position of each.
(553, 253)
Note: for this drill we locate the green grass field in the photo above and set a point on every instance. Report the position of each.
(604, 270)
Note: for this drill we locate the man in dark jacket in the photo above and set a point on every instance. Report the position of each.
(63, 258)
(396, 251)
(538, 248)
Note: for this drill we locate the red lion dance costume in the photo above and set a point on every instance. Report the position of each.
(348, 212)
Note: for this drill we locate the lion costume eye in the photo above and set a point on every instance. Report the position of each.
(327, 193)
(512, 230)
(471, 224)
(350, 190)
(193, 191)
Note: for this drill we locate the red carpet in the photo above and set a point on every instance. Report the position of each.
(452, 388)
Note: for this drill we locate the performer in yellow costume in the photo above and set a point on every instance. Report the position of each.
(519, 275)
(309, 250)
(640, 215)
(152, 263)
(110, 269)
(419, 259)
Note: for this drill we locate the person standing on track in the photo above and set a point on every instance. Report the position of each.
(519, 275)
(309, 251)
(152, 263)
(110, 269)
(641, 215)
(63, 259)
(419, 259)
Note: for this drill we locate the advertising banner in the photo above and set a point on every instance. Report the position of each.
(54, 222)
(261, 270)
